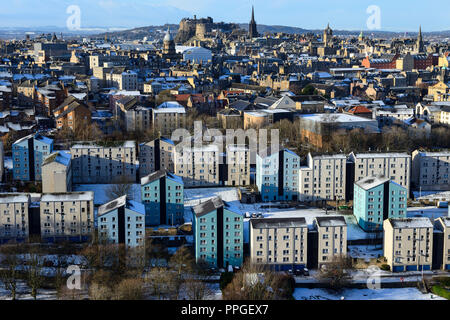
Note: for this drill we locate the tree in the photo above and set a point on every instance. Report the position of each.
(34, 274)
(121, 188)
(197, 289)
(9, 274)
(158, 279)
(257, 282)
(336, 273)
(130, 289)
(181, 263)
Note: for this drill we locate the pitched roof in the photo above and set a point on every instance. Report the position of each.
(208, 206)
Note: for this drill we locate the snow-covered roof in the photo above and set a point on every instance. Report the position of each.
(371, 182)
(14, 197)
(68, 196)
(408, 223)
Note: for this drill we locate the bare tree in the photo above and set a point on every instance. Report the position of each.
(34, 274)
(196, 289)
(130, 289)
(336, 272)
(182, 263)
(119, 189)
(9, 274)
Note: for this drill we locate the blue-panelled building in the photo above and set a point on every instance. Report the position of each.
(218, 234)
(377, 198)
(277, 175)
(163, 197)
(122, 221)
(28, 154)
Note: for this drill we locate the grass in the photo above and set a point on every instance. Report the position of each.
(442, 292)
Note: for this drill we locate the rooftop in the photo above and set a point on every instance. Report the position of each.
(411, 223)
(278, 223)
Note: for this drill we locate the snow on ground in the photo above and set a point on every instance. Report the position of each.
(428, 212)
(432, 195)
(193, 197)
(23, 293)
(364, 294)
(101, 192)
(365, 251)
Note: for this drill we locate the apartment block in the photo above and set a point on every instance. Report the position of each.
(377, 198)
(28, 153)
(331, 238)
(168, 117)
(104, 163)
(218, 234)
(408, 244)
(237, 165)
(323, 178)
(67, 216)
(198, 166)
(395, 166)
(441, 243)
(279, 242)
(156, 155)
(14, 216)
(163, 198)
(122, 221)
(430, 170)
(57, 173)
(277, 175)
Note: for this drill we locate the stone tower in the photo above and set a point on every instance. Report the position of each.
(327, 35)
(419, 42)
(169, 44)
(252, 31)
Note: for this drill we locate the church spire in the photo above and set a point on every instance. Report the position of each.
(253, 13)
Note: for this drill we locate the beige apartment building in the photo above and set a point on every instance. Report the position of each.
(105, 163)
(280, 242)
(156, 155)
(67, 216)
(332, 238)
(198, 166)
(14, 216)
(126, 80)
(57, 173)
(168, 117)
(238, 165)
(323, 178)
(408, 244)
(430, 170)
(396, 166)
(442, 225)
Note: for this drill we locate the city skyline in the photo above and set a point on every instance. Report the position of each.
(293, 13)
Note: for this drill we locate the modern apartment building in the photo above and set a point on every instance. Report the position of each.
(430, 170)
(198, 166)
(57, 173)
(441, 243)
(236, 165)
(104, 163)
(132, 115)
(395, 166)
(156, 155)
(28, 153)
(163, 198)
(331, 238)
(168, 117)
(408, 244)
(277, 175)
(279, 242)
(218, 234)
(377, 198)
(14, 216)
(122, 221)
(323, 178)
(67, 216)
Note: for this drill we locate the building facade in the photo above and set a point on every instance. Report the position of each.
(163, 197)
(332, 238)
(156, 155)
(277, 175)
(408, 244)
(14, 216)
(122, 222)
(107, 163)
(67, 216)
(28, 154)
(377, 198)
(218, 234)
(430, 170)
(279, 242)
(57, 173)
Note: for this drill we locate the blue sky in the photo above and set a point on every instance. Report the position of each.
(396, 15)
